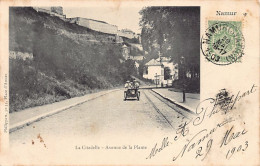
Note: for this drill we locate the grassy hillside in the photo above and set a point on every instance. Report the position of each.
(68, 60)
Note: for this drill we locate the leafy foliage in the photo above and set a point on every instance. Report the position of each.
(167, 73)
(141, 68)
(61, 66)
(175, 32)
(128, 69)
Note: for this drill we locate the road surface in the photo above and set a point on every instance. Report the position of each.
(103, 116)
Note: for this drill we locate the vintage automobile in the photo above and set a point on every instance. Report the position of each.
(132, 93)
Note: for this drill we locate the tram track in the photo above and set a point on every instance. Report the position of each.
(175, 108)
(157, 109)
(171, 108)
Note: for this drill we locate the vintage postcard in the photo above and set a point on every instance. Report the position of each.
(129, 82)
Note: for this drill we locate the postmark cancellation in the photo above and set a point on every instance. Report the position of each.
(223, 43)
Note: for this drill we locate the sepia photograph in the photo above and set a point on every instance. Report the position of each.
(87, 62)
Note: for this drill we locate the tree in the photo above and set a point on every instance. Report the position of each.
(174, 32)
(141, 68)
(128, 69)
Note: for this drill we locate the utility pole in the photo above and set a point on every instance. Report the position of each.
(156, 79)
(183, 78)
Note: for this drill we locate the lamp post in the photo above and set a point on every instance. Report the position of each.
(156, 79)
(183, 78)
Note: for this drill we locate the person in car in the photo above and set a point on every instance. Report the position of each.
(127, 84)
(136, 84)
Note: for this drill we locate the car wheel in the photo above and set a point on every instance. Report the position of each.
(125, 96)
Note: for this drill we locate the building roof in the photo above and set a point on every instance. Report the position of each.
(97, 20)
(138, 58)
(164, 59)
(127, 30)
(153, 62)
(91, 20)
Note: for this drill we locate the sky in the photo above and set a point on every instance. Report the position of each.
(123, 17)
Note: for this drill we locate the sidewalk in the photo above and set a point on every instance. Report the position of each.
(30, 115)
(147, 86)
(192, 99)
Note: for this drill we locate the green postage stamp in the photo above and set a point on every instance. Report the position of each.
(223, 42)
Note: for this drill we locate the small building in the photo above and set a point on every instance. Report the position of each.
(126, 51)
(43, 9)
(53, 11)
(167, 62)
(58, 10)
(138, 36)
(136, 58)
(154, 70)
(127, 33)
(119, 39)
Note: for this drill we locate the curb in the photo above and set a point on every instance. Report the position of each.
(27, 122)
(191, 110)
